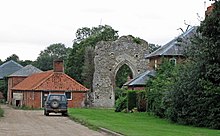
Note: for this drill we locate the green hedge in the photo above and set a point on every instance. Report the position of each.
(1, 112)
(141, 101)
(132, 99)
(121, 104)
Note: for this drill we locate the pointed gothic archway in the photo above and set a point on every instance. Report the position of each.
(110, 56)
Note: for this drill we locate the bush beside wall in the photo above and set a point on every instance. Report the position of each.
(1, 112)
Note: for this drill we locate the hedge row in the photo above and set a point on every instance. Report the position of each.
(133, 99)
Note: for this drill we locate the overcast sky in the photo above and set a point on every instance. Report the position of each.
(29, 26)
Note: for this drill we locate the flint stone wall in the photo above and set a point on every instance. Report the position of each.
(109, 57)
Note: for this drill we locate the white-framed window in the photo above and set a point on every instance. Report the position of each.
(173, 61)
(68, 95)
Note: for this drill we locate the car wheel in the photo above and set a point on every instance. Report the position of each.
(54, 104)
(46, 113)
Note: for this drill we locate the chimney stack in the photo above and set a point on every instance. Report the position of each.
(58, 66)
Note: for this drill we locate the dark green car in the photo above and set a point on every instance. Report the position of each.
(56, 103)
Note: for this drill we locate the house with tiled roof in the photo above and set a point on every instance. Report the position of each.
(33, 90)
(173, 50)
(17, 77)
(8, 68)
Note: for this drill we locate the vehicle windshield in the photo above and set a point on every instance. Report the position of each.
(57, 97)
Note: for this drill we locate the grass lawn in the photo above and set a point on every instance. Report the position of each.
(136, 124)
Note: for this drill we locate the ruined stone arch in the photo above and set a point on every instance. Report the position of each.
(109, 57)
(129, 64)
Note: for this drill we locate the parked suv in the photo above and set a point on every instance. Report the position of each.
(56, 103)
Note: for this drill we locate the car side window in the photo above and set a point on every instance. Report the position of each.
(63, 98)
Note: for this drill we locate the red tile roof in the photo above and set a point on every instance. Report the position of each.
(50, 81)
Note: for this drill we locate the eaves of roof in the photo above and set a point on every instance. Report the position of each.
(141, 79)
(50, 81)
(163, 51)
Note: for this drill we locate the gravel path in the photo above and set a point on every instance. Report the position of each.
(34, 123)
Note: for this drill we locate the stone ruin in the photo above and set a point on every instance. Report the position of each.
(109, 57)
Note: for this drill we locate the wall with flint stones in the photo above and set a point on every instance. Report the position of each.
(109, 57)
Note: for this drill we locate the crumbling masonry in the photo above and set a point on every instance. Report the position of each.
(109, 57)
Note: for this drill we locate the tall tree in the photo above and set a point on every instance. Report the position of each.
(88, 67)
(153, 47)
(25, 62)
(86, 37)
(13, 57)
(51, 53)
(82, 33)
(196, 93)
(159, 87)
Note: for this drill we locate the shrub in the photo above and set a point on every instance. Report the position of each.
(160, 87)
(141, 101)
(131, 96)
(195, 101)
(1, 112)
(119, 93)
(121, 104)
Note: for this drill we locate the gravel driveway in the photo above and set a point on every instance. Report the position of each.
(34, 123)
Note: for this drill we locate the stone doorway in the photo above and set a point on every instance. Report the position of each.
(109, 57)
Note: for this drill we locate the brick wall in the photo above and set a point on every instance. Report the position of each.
(158, 60)
(13, 81)
(78, 99)
(33, 99)
(136, 88)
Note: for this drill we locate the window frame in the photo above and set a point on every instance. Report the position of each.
(173, 60)
(70, 95)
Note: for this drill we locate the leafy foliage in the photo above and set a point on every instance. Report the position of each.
(86, 37)
(88, 67)
(13, 57)
(141, 101)
(1, 112)
(153, 47)
(129, 99)
(120, 99)
(132, 99)
(122, 75)
(196, 93)
(121, 104)
(4, 86)
(120, 92)
(159, 87)
(16, 58)
(51, 53)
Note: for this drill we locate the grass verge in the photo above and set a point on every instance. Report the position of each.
(135, 124)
